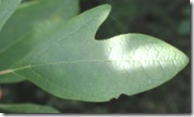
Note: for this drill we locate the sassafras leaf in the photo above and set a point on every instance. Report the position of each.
(71, 64)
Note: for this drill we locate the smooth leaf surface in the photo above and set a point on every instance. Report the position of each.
(26, 108)
(7, 7)
(71, 64)
(28, 26)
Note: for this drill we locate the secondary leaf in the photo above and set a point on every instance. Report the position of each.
(28, 26)
(71, 64)
(7, 7)
(26, 108)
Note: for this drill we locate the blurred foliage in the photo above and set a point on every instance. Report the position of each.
(166, 19)
(184, 26)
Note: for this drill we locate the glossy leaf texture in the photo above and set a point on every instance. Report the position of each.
(26, 108)
(7, 7)
(71, 64)
(28, 26)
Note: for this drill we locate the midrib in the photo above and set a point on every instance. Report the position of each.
(4, 72)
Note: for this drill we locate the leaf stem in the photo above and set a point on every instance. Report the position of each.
(12, 70)
(5, 72)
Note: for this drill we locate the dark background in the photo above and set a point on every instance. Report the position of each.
(165, 19)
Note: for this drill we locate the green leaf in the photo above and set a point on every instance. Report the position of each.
(28, 26)
(71, 64)
(7, 7)
(26, 108)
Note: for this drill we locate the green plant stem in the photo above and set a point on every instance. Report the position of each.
(5, 72)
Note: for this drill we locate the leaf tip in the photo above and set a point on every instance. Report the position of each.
(106, 7)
